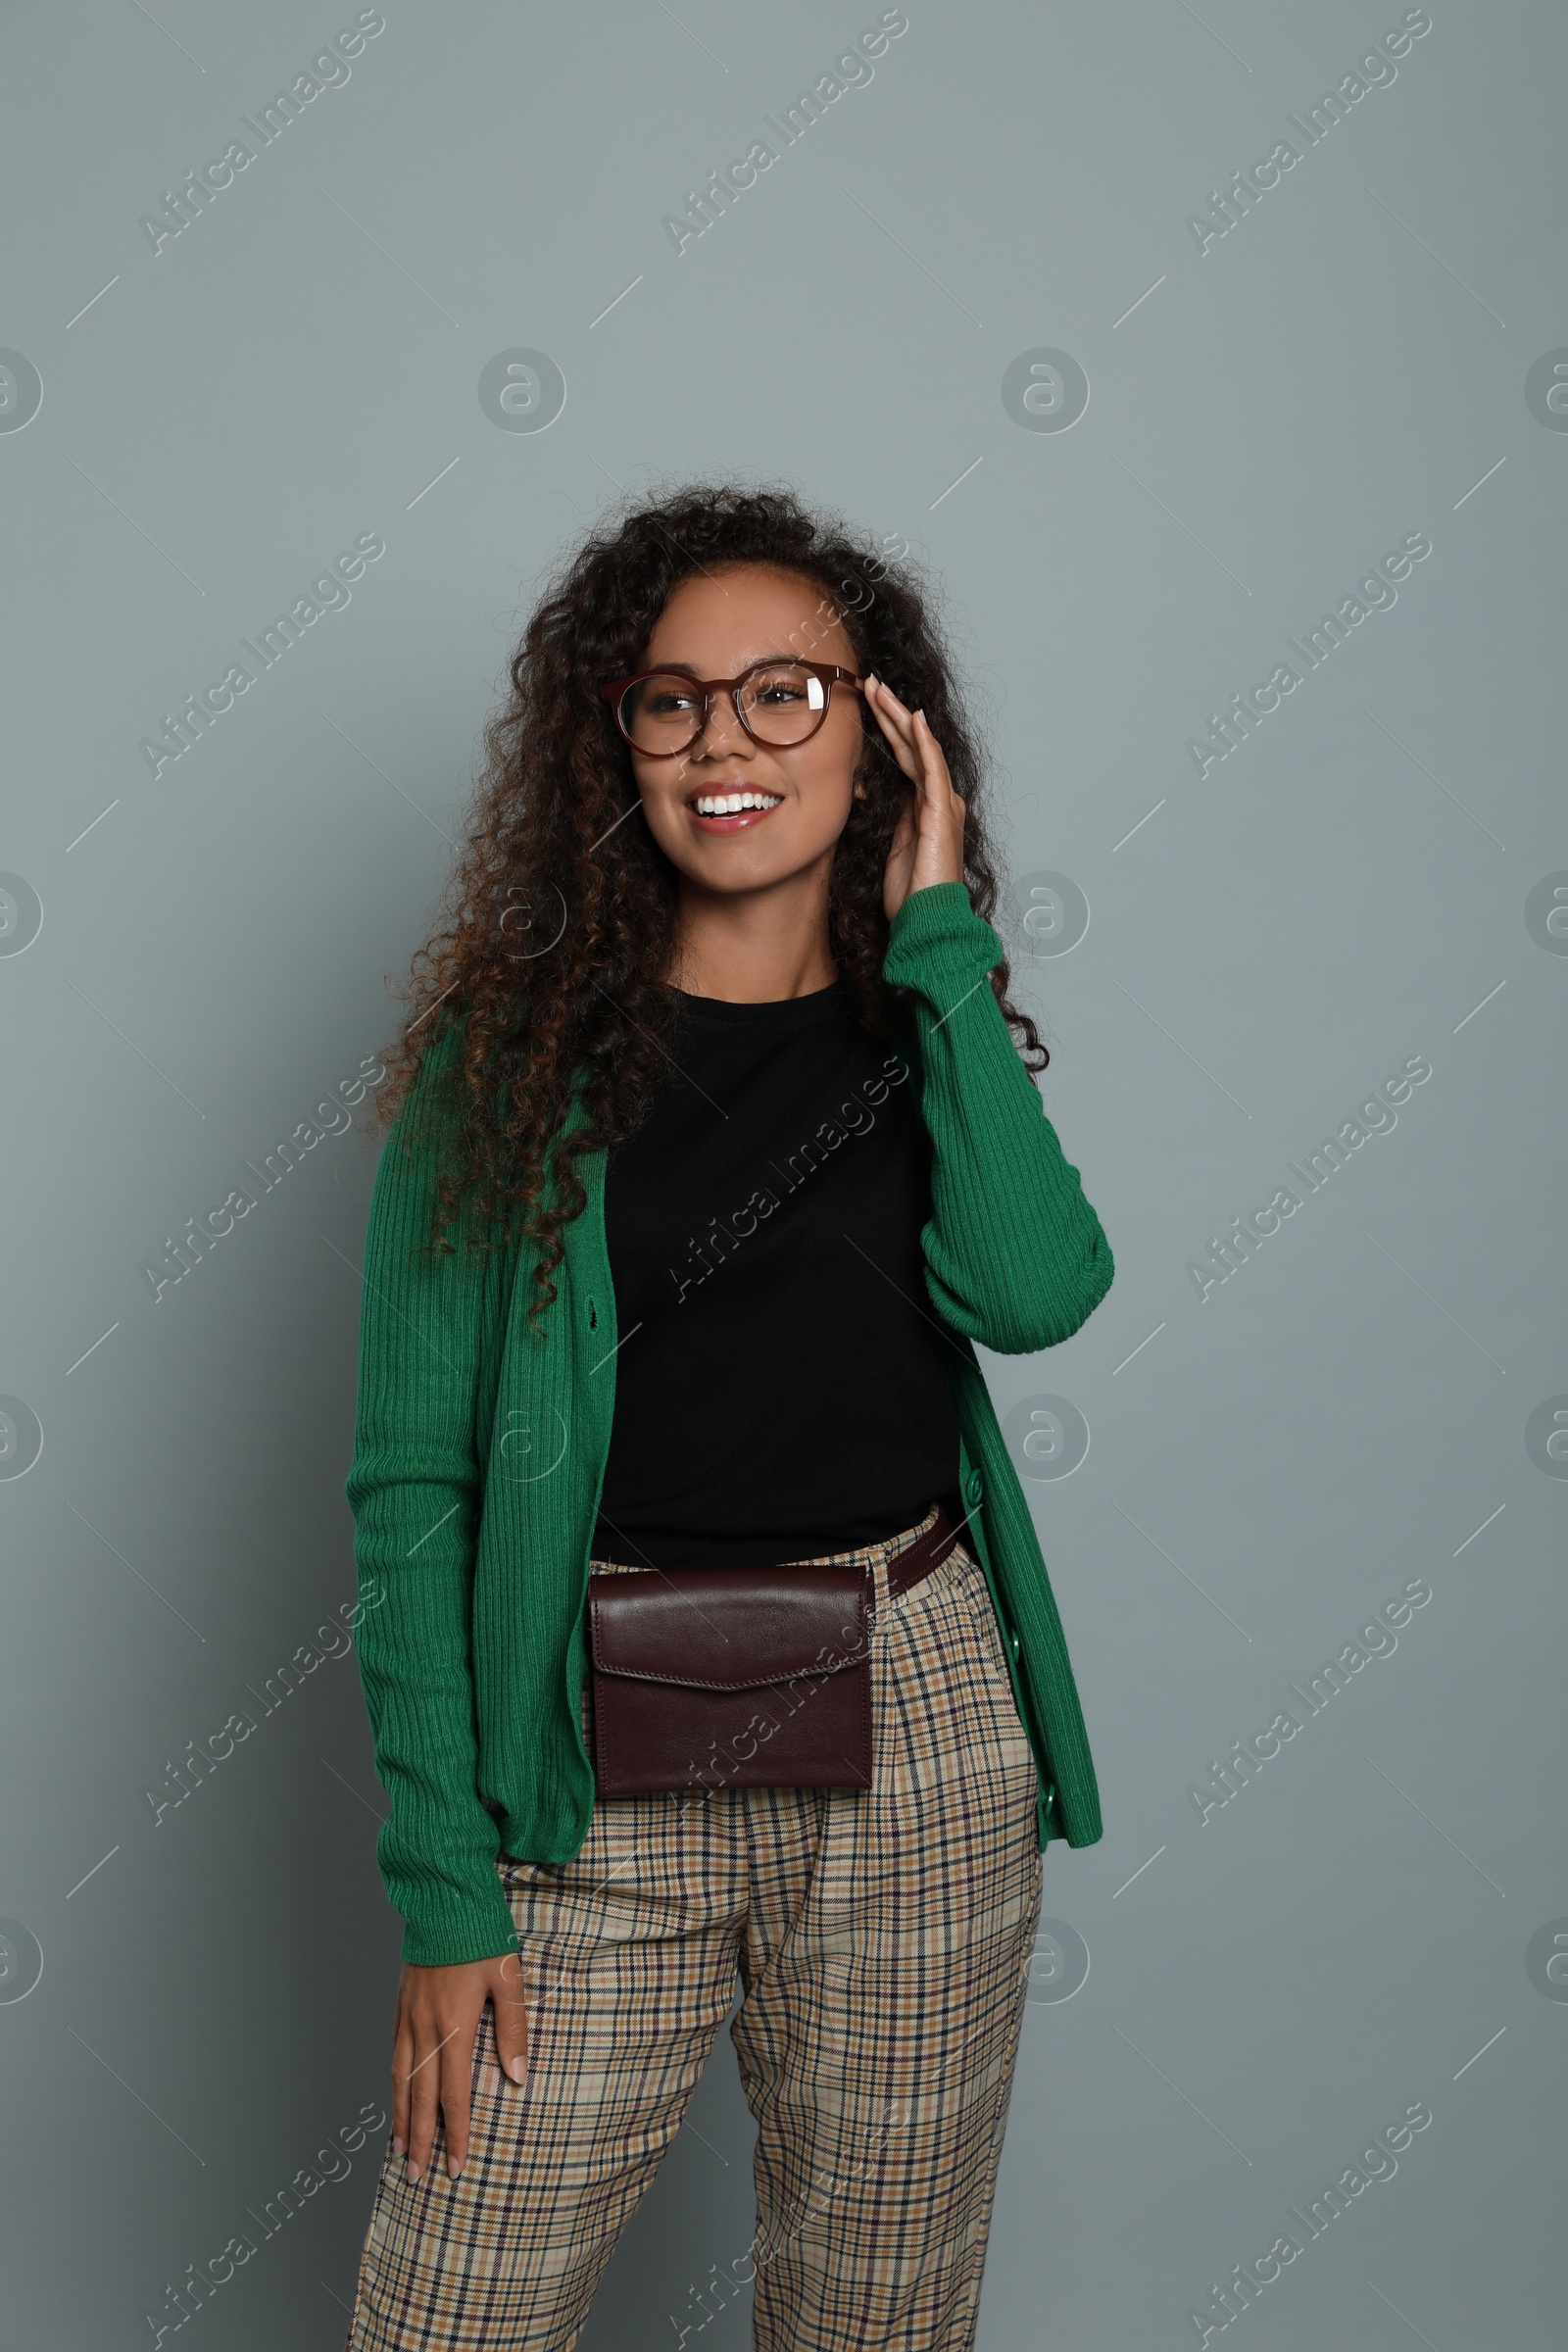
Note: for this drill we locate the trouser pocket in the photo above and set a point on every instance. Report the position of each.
(977, 1593)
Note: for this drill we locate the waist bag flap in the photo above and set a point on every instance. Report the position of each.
(723, 1629)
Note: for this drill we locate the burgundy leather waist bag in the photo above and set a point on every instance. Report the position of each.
(749, 1678)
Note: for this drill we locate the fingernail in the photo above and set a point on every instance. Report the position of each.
(517, 2069)
(414, 2171)
(400, 2148)
(453, 2170)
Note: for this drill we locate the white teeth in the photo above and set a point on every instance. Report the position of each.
(730, 803)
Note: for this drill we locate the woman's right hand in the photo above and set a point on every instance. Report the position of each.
(432, 2050)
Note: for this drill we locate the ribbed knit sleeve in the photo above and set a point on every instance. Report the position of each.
(415, 1491)
(1015, 1256)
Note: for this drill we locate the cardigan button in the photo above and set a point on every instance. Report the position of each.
(972, 1487)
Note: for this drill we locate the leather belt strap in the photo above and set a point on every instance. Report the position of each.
(917, 1559)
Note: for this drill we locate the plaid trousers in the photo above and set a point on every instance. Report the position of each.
(882, 1939)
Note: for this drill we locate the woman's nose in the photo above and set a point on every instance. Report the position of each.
(723, 735)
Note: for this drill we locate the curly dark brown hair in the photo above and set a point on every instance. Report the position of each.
(559, 918)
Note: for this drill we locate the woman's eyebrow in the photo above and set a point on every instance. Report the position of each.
(674, 662)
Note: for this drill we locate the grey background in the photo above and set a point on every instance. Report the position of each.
(1347, 890)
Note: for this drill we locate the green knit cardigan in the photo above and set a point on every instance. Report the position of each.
(479, 1452)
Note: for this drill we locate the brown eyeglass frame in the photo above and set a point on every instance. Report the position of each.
(615, 691)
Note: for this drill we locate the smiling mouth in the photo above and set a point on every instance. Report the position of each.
(733, 810)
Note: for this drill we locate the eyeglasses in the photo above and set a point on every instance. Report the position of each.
(661, 712)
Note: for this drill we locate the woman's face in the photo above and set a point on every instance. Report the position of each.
(714, 625)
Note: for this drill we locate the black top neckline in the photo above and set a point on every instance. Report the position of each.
(818, 1004)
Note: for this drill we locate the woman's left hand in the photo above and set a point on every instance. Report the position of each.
(928, 840)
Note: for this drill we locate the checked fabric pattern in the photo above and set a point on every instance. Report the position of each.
(882, 1940)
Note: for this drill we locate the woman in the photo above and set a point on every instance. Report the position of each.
(713, 1156)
